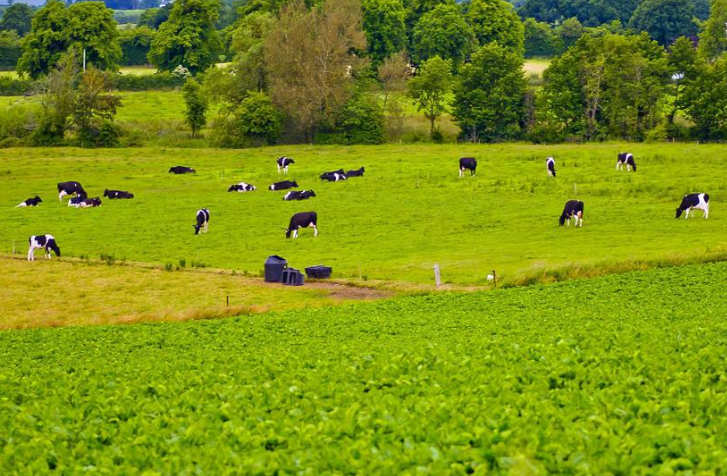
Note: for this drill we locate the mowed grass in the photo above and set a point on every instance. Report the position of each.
(410, 211)
(616, 375)
(83, 293)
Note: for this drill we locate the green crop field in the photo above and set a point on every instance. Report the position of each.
(614, 375)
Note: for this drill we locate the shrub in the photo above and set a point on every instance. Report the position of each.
(135, 45)
(15, 86)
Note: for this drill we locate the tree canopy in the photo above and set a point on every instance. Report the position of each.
(17, 17)
(665, 20)
(385, 27)
(443, 32)
(188, 38)
(495, 20)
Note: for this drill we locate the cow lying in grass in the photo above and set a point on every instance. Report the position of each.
(112, 194)
(31, 202)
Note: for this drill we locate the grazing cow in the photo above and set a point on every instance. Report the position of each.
(299, 195)
(302, 220)
(336, 176)
(31, 202)
(182, 170)
(467, 163)
(46, 242)
(117, 194)
(625, 159)
(284, 185)
(283, 163)
(203, 221)
(355, 173)
(694, 201)
(242, 187)
(550, 166)
(70, 188)
(573, 209)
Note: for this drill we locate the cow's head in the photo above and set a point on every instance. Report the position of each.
(52, 245)
(287, 233)
(561, 221)
(634, 166)
(106, 193)
(295, 184)
(196, 227)
(232, 188)
(291, 161)
(311, 193)
(37, 199)
(679, 212)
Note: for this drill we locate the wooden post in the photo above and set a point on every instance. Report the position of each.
(494, 278)
(14, 252)
(437, 277)
(228, 301)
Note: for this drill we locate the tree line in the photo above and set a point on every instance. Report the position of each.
(342, 71)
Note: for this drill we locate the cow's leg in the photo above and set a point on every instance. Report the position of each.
(295, 232)
(461, 172)
(315, 230)
(686, 214)
(61, 194)
(706, 211)
(278, 169)
(30, 253)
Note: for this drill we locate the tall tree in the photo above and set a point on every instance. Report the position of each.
(488, 104)
(495, 20)
(665, 20)
(18, 17)
(683, 67)
(94, 110)
(606, 86)
(385, 27)
(188, 38)
(540, 39)
(135, 44)
(443, 32)
(310, 59)
(430, 87)
(47, 41)
(705, 99)
(713, 40)
(56, 29)
(91, 28)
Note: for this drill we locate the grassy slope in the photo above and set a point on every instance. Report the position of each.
(76, 293)
(409, 212)
(615, 375)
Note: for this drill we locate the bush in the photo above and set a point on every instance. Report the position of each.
(107, 135)
(360, 122)
(149, 82)
(10, 50)
(15, 86)
(17, 122)
(255, 122)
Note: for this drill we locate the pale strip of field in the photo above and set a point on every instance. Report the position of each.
(61, 292)
(536, 66)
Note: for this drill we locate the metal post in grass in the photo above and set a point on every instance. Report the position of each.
(437, 277)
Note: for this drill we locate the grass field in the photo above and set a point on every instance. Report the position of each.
(615, 375)
(410, 211)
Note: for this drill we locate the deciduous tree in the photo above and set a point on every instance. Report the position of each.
(188, 38)
(665, 20)
(429, 88)
(495, 20)
(488, 104)
(443, 32)
(195, 114)
(17, 17)
(385, 27)
(713, 40)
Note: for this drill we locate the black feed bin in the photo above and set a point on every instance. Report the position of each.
(274, 267)
(293, 277)
(318, 272)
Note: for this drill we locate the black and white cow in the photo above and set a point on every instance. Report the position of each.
(283, 163)
(625, 159)
(550, 166)
(84, 202)
(70, 188)
(117, 194)
(694, 201)
(46, 242)
(355, 173)
(573, 209)
(284, 185)
(182, 170)
(467, 163)
(203, 221)
(31, 202)
(242, 187)
(299, 195)
(302, 220)
(335, 176)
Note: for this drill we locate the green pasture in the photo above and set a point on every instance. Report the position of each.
(615, 375)
(410, 211)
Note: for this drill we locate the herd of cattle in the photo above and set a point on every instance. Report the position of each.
(573, 209)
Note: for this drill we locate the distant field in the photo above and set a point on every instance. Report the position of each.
(536, 66)
(410, 211)
(616, 375)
